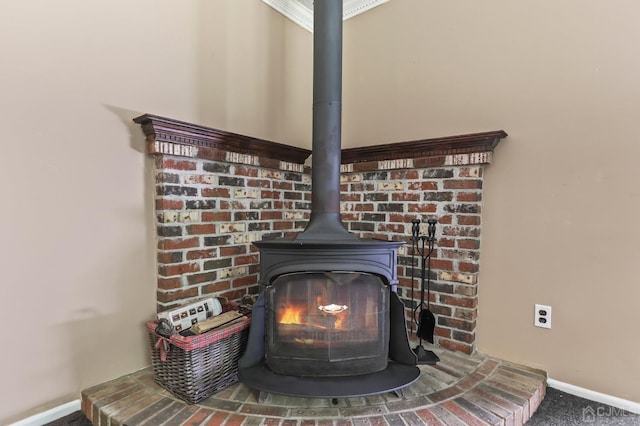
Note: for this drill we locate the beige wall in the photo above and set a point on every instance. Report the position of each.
(561, 199)
(77, 262)
(560, 202)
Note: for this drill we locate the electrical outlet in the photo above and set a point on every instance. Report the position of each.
(542, 317)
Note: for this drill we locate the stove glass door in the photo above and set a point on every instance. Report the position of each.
(327, 324)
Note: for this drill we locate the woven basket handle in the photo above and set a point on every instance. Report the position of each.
(164, 346)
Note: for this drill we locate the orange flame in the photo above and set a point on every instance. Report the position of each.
(297, 314)
(339, 324)
(291, 315)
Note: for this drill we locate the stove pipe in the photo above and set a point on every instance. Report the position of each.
(325, 223)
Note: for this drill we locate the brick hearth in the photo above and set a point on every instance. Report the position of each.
(460, 390)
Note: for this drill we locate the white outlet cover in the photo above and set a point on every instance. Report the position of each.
(301, 11)
(547, 317)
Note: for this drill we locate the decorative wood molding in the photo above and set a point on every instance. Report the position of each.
(301, 11)
(174, 137)
(449, 145)
(184, 139)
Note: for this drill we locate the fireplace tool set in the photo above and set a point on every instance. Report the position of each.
(423, 245)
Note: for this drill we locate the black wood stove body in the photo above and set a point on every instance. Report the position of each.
(328, 321)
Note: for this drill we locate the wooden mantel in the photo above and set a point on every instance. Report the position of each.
(173, 132)
(448, 145)
(174, 137)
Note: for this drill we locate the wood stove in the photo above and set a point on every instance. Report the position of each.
(328, 321)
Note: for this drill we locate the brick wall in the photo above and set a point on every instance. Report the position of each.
(217, 192)
(209, 212)
(381, 200)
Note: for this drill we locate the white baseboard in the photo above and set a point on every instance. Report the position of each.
(50, 415)
(602, 398)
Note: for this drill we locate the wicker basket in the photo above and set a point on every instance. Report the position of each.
(194, 368)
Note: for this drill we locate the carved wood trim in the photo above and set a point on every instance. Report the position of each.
(449, 145)
(162, 129)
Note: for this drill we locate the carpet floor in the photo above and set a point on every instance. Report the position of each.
(557, 409)
(563, 409)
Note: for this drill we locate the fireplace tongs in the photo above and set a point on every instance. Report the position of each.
(426, 320)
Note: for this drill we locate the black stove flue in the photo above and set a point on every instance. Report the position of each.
(325, 223)
(345, 331)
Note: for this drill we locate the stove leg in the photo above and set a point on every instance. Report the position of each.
(399, 393)
(262, 397)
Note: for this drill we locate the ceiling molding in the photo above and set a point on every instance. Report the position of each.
(301, 11)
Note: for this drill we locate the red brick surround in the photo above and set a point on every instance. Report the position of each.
(217, 192)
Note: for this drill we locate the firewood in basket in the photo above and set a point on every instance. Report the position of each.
(216, 321)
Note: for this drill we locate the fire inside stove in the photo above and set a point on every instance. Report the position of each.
(327, 324)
